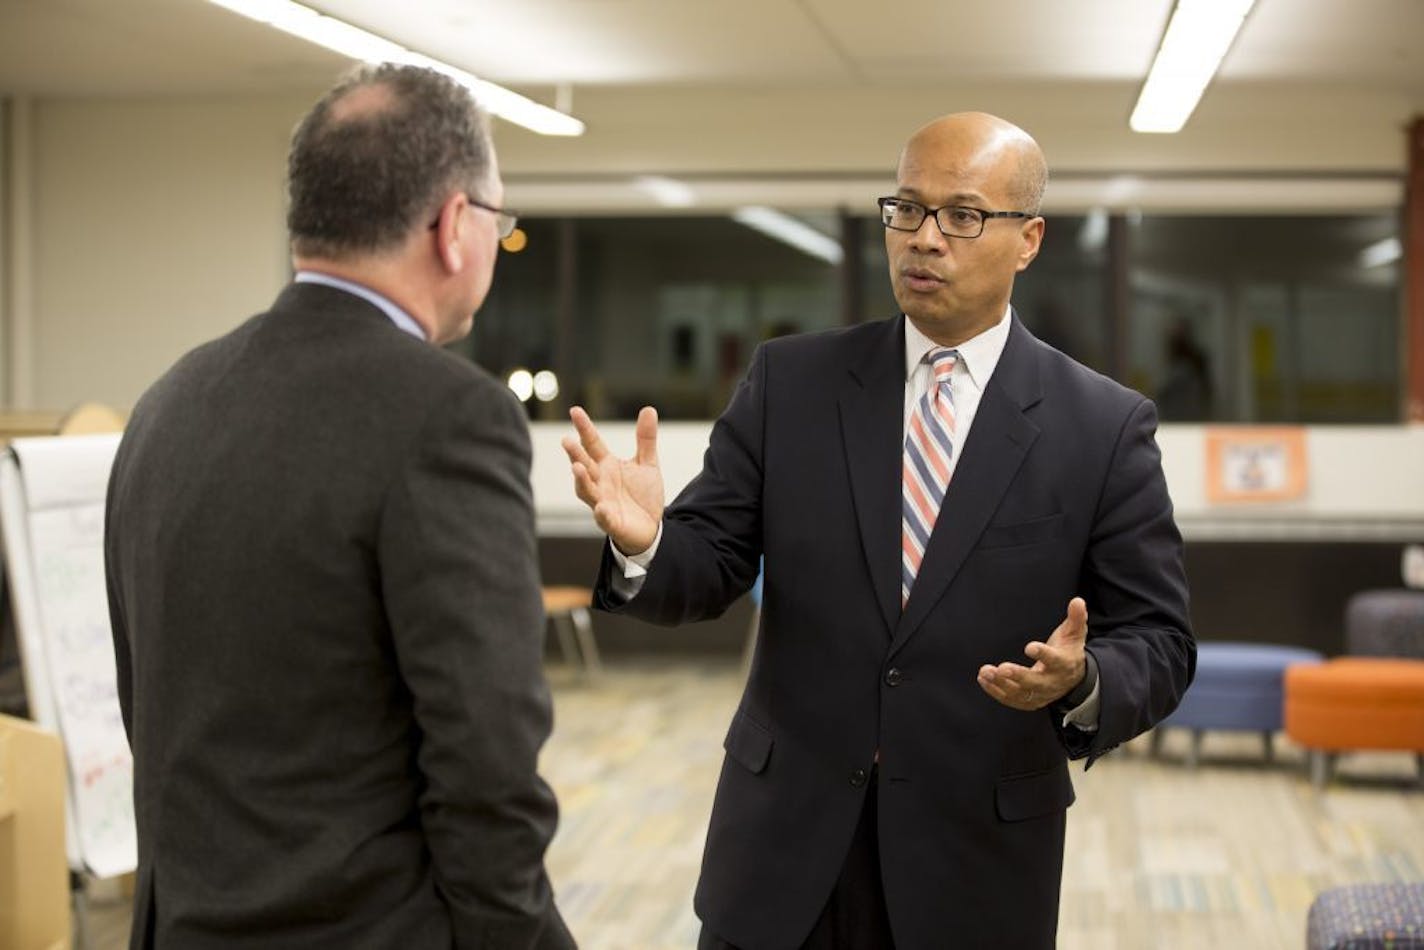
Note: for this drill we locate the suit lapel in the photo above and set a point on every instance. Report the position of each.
(872, 407)
(998, 441)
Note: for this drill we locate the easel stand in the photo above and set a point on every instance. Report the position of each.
(79, 888)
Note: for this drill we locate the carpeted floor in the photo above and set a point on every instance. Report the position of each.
(1159, 856)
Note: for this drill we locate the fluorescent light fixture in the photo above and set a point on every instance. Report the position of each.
(352, 41)
(1381, 253)
(668, 192)
(789, 230)
(1197, 38)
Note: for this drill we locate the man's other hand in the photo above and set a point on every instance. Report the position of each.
(1059, 665)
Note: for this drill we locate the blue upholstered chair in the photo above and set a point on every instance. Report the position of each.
(1238, 687)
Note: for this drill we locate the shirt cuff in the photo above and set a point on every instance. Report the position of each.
(633, 569)
(1085, 715)
(636, 565)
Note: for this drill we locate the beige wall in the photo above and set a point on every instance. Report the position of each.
(154, 226)
(6, 109)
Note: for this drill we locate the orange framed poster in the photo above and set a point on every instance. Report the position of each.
(1255, 464)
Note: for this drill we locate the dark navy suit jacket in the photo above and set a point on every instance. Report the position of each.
(1058, 492)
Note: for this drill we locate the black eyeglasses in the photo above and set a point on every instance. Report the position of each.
(901, 214)
(505, 220)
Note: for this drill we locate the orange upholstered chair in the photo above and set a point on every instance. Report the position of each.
(1354, 703)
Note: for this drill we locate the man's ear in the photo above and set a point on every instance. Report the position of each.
(448, 232)
(1031, 238)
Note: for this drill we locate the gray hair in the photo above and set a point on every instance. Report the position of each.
(365, 170)
(1031, 181)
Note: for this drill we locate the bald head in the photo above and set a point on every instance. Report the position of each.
(362, 102)
(985, 146)
(984, 178)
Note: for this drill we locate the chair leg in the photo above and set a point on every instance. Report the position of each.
(1320, 767)
(1156, 740)
(1268, 742)
(1194, 753)
(566, 639)
(80, 891)
(583, 628)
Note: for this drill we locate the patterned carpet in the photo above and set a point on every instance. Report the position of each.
(1159, 856)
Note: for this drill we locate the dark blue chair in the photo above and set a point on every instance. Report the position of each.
(1238, 687)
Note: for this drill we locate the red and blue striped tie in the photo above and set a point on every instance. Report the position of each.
(929, 445)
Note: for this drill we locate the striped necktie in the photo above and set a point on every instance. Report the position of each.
(929, 445)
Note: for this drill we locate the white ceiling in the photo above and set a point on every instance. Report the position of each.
(124, 47)
(794, 86)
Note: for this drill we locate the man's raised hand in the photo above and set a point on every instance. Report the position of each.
(625, 495)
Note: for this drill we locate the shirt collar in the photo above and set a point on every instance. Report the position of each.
(387, 306)
(978, 354)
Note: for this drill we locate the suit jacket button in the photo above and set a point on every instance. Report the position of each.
(857, 778)
(893, 677)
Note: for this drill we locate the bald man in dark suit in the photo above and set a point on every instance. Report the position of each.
(972, 574)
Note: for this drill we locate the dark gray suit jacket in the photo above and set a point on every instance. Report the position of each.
(325, 601)
(1058, 492)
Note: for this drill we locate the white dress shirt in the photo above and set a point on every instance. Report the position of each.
(978, 357)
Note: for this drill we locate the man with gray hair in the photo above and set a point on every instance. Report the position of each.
(322, 574)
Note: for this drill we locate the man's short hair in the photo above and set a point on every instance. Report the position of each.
(365, 169)
(1030, 183)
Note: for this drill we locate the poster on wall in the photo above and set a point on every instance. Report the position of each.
(1255, 464)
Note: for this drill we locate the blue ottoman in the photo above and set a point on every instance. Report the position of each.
(1238, 686)
(1366, 917)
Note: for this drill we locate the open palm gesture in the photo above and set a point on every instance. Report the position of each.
(625, 495)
